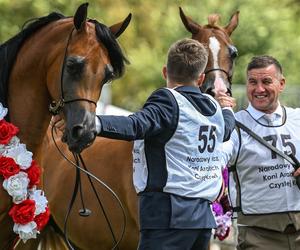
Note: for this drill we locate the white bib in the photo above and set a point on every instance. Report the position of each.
(266, 184)
(193, 154)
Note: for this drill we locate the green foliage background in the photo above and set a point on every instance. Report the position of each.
(265, 27)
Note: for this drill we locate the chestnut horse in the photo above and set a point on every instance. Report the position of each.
(67, 59)
(111, 160)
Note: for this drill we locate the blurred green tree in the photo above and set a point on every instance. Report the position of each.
(266, 27)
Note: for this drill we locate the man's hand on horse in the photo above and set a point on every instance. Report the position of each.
(58, 122)
(225, 100)
(297, 172)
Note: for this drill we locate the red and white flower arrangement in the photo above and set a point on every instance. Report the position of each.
(21, 175)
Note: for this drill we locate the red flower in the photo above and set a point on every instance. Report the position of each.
(42, 219)
(23, 213)
(7, 131)
(225, 203)
(34, 173)
(8, 167)
(220, 237)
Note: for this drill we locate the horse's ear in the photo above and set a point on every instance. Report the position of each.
(80, 16)
(233, 23)
(118, 28)
(189, 24)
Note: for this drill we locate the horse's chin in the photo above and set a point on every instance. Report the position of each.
(77, 146)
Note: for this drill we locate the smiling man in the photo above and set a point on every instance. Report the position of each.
(264, 84)
(267, 198)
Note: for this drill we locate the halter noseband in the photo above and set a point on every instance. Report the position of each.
(226, 73)
(56, 106)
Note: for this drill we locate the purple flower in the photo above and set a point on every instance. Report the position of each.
(217, 208)
(225, 176)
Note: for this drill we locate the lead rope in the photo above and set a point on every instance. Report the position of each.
(78, 158)
(15, 243)
(98, 199)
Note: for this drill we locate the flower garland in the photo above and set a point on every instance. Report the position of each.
(222, 211)
(21, 175)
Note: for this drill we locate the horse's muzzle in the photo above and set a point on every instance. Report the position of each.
(80, 140)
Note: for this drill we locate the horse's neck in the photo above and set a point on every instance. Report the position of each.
(30, 116)
(27, 103)
(28, 96)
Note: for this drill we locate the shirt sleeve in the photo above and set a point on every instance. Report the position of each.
(156, 115)
(230, 148)
(229, 120)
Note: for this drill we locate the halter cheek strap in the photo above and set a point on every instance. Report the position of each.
(56, 106)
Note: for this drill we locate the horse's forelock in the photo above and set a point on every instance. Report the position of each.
(114, 50)
(213, 20)
(217, 31)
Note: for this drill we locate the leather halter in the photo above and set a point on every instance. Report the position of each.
(56, 106)
(229, 78)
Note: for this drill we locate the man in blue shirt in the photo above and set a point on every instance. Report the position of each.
(177, 159)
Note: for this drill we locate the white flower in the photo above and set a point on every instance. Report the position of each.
(14, 141)
(27, 231)
(2, 149)
(40, 201)
(16, 186)
(223, 223)
(24, 160)
(3, 111)
(21, 156)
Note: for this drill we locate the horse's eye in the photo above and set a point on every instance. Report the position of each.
(75, 65)
(233, 51)
(109, 74)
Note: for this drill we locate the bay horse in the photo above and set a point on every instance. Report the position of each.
(67, 59)
(111, 160)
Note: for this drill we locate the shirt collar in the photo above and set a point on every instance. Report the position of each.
(256, 114)
(188, 89)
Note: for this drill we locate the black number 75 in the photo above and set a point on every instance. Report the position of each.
(285, 143)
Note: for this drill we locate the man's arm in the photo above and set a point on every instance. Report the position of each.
(227, 103)
(156, 115)
(229, 121)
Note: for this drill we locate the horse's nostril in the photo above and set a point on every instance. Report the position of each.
(77, 131)
(229, 93)
(210, 91)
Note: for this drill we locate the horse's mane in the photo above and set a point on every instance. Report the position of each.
(117, 58)
(10, 49)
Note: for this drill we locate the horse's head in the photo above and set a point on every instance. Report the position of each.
(219, 69)
(91, 57)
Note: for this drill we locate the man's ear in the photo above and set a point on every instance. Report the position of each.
(200, 79)
(282, 84)
(164, 72)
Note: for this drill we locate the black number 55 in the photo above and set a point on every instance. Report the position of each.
(207, 138)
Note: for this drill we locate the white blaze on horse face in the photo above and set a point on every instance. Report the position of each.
(214, 47)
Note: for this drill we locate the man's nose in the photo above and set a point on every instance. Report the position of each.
(260, 87)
